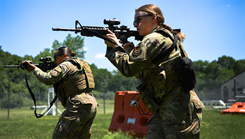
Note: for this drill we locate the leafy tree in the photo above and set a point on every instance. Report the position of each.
(211, 75)
(226, 61)
(101, 76)
(74, 43)
(239, 66)
(118, 82)
(232, 66)
(56, 45)
(46, 53)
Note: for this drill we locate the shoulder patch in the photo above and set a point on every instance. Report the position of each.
(56, 71)
(137, 50)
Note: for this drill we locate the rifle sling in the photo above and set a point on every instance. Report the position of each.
(34, 100)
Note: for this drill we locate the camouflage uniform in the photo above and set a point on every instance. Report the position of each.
(178, 113)
(73, 83)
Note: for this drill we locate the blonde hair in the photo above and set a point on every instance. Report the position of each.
(152, 9)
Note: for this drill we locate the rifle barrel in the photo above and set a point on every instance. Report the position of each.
(11, 66)
(64, 29)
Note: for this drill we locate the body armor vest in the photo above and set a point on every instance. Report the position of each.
(159, 78)
(80, 80)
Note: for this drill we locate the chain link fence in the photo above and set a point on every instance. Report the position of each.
(105, 90)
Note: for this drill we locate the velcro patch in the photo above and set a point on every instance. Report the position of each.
(56, 71)
(137, 51)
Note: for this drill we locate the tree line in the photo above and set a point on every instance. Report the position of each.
(210, 75)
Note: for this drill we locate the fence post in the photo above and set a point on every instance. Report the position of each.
(9, 99)
(105, 80)
(104, 95)
(235, 88)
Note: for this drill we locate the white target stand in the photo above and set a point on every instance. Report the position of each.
(52, 110)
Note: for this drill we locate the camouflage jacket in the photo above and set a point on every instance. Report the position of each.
(158, 77)
(69, 80)
(138, 63)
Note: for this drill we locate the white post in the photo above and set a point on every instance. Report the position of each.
(52, 109)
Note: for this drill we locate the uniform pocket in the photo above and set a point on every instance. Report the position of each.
(198, 105)
(196, 116)
(196, 101)
(67, 125)
(198, 109)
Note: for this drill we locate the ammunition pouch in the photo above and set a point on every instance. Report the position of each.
(172, 73)
(147, 99)
(165, 77)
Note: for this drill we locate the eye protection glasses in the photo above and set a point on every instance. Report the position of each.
(138, 19)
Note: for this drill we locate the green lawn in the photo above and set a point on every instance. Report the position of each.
(222, 126)
(22, 124)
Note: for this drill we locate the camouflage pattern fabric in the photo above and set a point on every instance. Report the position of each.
(179, 113)
(65, 69)
(179, 116)
(89, 75)
(67, 78)
(81, 107)
(76, 121)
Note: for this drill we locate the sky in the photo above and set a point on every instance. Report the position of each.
(213, 28)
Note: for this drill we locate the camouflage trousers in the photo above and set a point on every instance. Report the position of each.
(76, 121)
(178, 118)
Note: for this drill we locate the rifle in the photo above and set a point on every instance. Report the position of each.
(45, 66)
(122, 32)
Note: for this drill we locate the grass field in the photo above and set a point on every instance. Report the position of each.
(22, 124)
